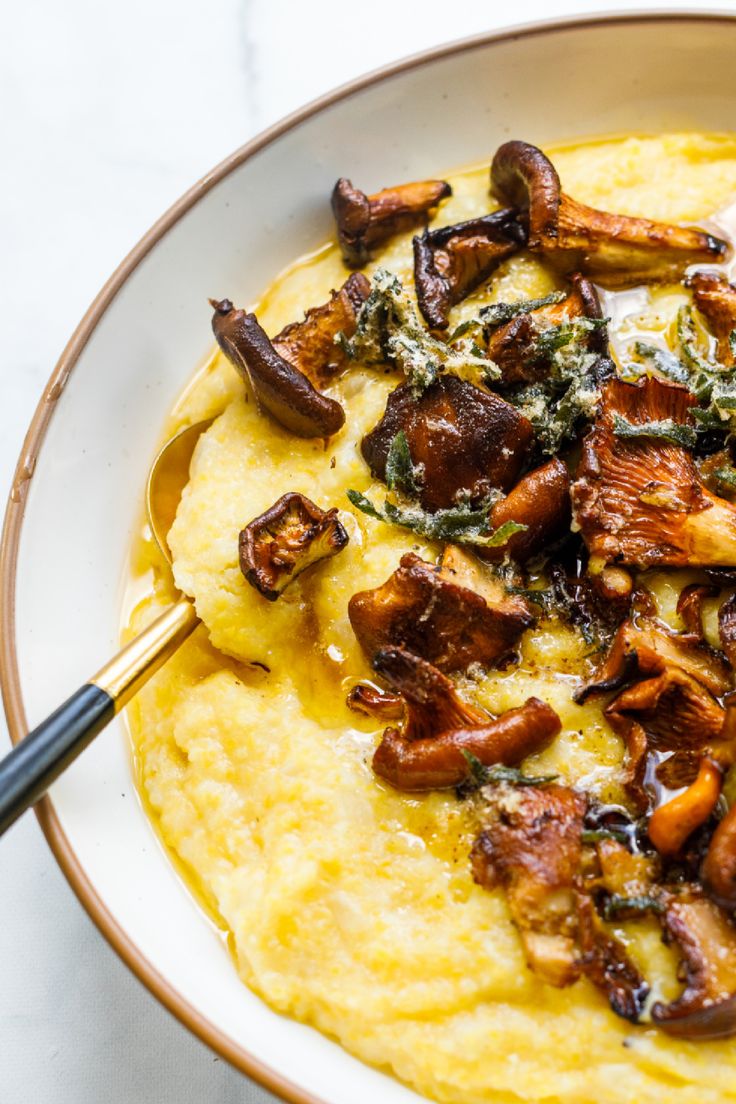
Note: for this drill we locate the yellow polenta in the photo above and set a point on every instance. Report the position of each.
(351, 906)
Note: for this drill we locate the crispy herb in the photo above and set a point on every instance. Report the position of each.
(496, 314)
(593, 835)
(461, 524)
(561, 404)
(544, 597)
(402, 474)
(687, 339)
(481, 775)
(662, 361)
(466, 327)
(389, 331)
(726, 475)
(617, 903)
(674, 432)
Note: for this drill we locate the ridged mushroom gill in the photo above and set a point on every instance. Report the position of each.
(637, 497)
(452, 614)
(615, 250)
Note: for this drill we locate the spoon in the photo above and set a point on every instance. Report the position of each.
(34, 763)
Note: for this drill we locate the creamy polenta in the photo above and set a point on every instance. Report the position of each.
(351, 906)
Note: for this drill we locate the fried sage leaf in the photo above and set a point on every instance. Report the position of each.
(461, 524)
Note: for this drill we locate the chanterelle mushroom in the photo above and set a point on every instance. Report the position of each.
(282, 543)
(441, 730)
(310, 344)
(719, 866)
(707, 942)
(540, 502)
(614, 250)
(452, 614)
(515, 346)
(715, 298)
(364, 221)
(645, 646)
(637, 495)
(453, 260)
(668, 724)
(463, 440)
(531, 845)
(280, 388)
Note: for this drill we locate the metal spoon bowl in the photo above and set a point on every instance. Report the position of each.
(34, 763)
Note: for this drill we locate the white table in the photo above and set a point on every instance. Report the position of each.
(108, 113)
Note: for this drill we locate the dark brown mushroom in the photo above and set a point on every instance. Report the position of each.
(531, 845)
(514, 346)
(604, 961)
(706, 940)
(453, 260)
(291, 536)
(668, 724)
(278, 386)
(690, 607)
(364, 221)
(374, 702)
(637, 495)
(430, 753)
(646, 646)
(541, 502)
(719, 866)
(310, 344)
(614, 250)
(453, 616)
(464, 440)
(727, 628)
(715, 298)
(590, 602)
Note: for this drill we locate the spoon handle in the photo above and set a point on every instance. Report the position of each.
(39, 758)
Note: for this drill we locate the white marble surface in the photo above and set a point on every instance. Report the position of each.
(108, 113)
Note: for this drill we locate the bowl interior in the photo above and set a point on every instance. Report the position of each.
(231, 236)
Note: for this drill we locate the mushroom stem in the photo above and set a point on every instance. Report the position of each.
(719, 868)
(278, 386)
(672, 823)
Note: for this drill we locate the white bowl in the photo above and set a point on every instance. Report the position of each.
(78, 490)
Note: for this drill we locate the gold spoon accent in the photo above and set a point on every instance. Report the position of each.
(39, 758)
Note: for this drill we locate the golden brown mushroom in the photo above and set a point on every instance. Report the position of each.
(531, 845)
(441, 730)
(715, 298)
(637, 495)
(540, 501)
(513, 347)
(668, 723)
(280, 388)
(463, 440)
(451, 614)
(453, 260)
(310, 344)
(614, 250)
(364, 221)
(604, 961)
(645, 646)
(375, 702)
(672, 823)
(690, 607)
(719, 866)
(706, 940)
(288, 538)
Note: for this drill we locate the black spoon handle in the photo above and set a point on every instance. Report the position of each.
(34, 763)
